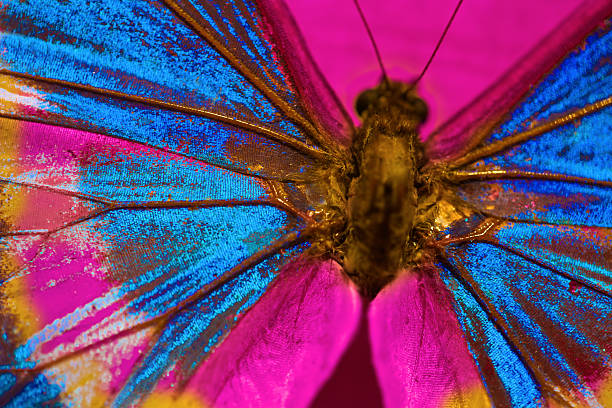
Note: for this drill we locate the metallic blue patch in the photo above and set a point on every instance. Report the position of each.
(560, 332)
(159, 258)
(146, 177)
(38, 392)
(583, 77)
(579, 149)
(552, 244)
(208, 243)
(583, 149)
(133, 47)
(518, 383)
(128, 173)
(549, 201)
(241, 26)
(198, 137)
(201, 327)
(7, 380)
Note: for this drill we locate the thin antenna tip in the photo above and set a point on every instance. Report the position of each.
(437, 47)
(371, 36)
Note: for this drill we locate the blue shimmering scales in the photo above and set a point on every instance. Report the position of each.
(562, 203)
(129, 46)
(582, 78)
(35, 393)
(166, 256)
(537, 307)
(208, 244)
(575, 149)
(193, 136)
(147, 177)
(201, 326)
(542, 242)
(520, 387)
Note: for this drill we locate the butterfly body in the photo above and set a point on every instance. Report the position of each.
(382, 203)
(177, 180)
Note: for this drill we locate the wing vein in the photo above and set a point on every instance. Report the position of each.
(288, 241)
(460, 273)
(111, 205)
(176, 107)
(292, 114)
(536, 130)
(459, 176)
(485, 233)
(154, 147)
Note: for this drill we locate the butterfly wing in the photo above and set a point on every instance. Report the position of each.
(419, 351)
(153, 160)
(479, 119)
(538, 269)
(527, 265)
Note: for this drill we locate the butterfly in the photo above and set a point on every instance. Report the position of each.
(166, 187)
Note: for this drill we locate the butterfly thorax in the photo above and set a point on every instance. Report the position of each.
(382, 194)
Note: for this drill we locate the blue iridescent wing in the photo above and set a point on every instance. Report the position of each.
(151, 169)
(529, 264)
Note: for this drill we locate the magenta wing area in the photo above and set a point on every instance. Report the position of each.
(419, 349)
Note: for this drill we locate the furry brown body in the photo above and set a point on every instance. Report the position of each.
(382, 195)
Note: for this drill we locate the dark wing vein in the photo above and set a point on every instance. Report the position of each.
(111, 205)
(293, 115)
(175, 107)
(484, 233)
(463, 276)
(534, 131)
(237, 170)
(459, 176)
(489, 309)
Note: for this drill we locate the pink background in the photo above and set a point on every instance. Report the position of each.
(486, 38)
(484, 41)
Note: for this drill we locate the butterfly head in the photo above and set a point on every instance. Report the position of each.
(392, 96)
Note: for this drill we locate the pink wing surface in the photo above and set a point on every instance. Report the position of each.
(420, 353)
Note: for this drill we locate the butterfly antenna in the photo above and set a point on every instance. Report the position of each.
(433, 54)
(367, 27)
